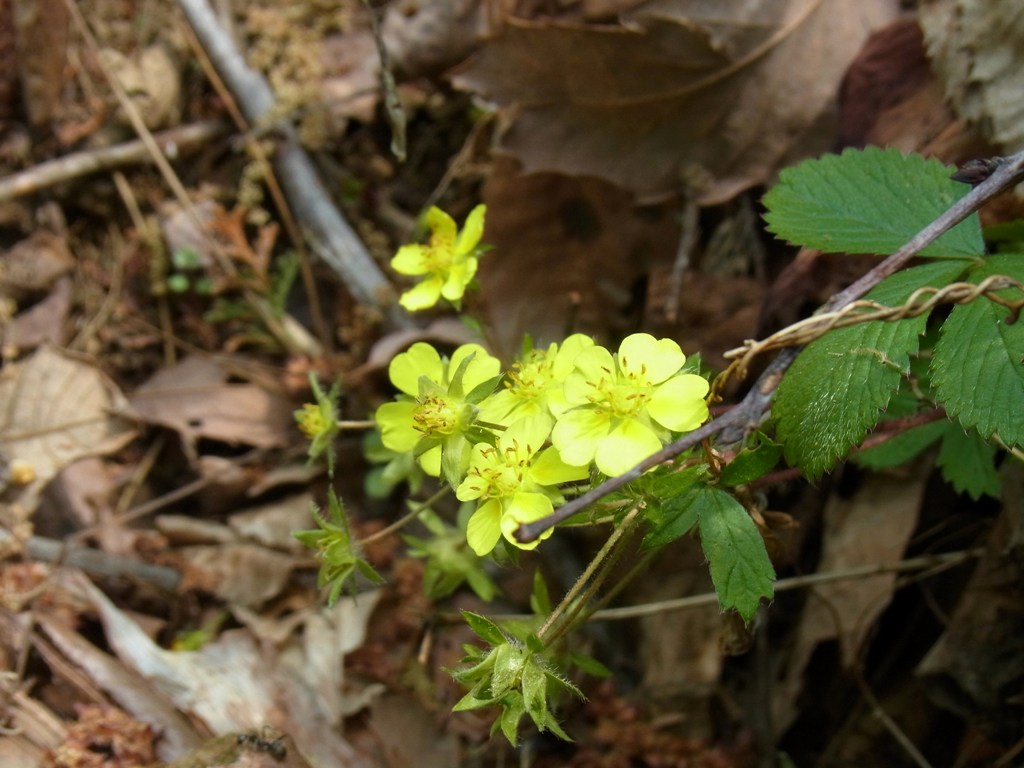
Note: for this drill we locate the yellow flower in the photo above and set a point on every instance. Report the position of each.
(514, 481)
(623, 407)
(435, 415)
(447, 262)
(534, 386)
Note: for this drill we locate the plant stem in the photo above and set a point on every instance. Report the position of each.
(591, 569)
(407, 518)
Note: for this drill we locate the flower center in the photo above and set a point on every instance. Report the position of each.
(438, 254)
(436, 416)
(504, 472)
(624, 398)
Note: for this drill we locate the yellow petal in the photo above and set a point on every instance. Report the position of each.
(420, 359)
(472, 230)
(484, 527)
(625, 447)
(422, 296)
(649, 360)
(410, 260)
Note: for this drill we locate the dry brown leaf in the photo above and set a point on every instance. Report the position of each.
(57, 410)
(716, 96)
(870, 528)
(42, 27)
(34, 264)
(569, 255)
(42, 323)
(977, 49)
(194, 398)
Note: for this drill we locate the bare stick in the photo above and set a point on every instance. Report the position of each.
(174, 142)
(329, 234)
(738, 422)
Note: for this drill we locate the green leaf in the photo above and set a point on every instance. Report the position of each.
(752, 463)
(740, 568)
(838, 387)
(977, 369)
(901, 448)
(678, 516)
(869, 201)
(589, 665)
(535, 692)
(511, 714)
(485, 628)
(968, 463)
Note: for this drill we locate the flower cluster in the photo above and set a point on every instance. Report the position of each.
(509, 442)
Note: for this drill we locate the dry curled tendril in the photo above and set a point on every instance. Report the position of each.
(921, 301)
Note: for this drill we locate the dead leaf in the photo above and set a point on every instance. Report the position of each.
(870, 528)
(237, 572)
(42, 323)
(574, 263)
(42, 28)
(233, 684)
(976, 50)
(195, 399)
(152, 82)
(127, 688)
(976, 668)
(57, 410)
(272, 524)
(716, 96)
(33, 265)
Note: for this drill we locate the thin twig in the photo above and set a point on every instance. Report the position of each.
(925, 562)
(737, 423)
(174, 143)
(329, 234)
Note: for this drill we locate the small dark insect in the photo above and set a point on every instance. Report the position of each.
(974, 172)
(273, 747)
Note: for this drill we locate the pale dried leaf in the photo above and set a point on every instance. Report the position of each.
(56, 410)
(715, 96)
(152, 82)
(977, 49)
(194, 398)
(232, 684)
(272, 524)
(128, 689)
(237, 572)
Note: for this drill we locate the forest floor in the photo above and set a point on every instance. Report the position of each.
(161, 321)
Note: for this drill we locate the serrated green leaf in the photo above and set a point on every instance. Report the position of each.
(740, 568)
(977, 368)
(751, 463)
(968, 463)
(485, 628)
(676, 518)
(838, 387)
(869, 201)
(901, 448)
